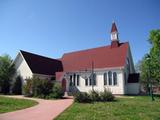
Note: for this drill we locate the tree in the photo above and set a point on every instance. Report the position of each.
(150, 68)
(7, 71)
(154, 39)
(17, 86)
(143, 68)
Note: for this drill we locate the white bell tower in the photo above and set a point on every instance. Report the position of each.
(114, 36)
(114, 32)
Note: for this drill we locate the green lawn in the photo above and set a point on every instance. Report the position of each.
(12, 104)
(136, 108)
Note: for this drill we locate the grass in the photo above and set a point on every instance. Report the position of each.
(135, 108)
(12, 104)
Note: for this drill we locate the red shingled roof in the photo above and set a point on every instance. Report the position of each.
(114, 28)
(102, 57)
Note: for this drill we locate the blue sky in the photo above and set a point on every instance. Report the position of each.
(54, 27)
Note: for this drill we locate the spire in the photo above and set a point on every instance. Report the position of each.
(114, 36)
(114, 28)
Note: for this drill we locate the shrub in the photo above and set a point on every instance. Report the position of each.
(106, 96)
(17, 86)
(27, 88)
(41, 87)
(82, 97)
(94, 95)
(57, 91)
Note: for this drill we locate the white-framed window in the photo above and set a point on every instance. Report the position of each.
(105, 78)
(114, 78)
(110, 78)
(86, 82)
(94, 79)
(77, 80)
(90, 81)
(70, 79)
(74, 79)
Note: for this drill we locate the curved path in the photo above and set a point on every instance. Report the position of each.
(45, 110)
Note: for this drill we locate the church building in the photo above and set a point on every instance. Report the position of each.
(108, 67)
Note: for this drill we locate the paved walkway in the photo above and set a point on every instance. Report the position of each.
(45, 110)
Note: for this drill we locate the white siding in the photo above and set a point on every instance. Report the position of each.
(24, 71)
(22, 68)
(117, 89)
(41, 76)
(130, 88)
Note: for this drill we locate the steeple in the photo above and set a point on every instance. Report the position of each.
(114, 36)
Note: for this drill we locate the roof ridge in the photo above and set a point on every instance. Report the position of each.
(90, 49)
(86, 49)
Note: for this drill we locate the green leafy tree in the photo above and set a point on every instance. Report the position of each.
(7, 71)
(149, 66)
(143, 68)
(154, 39)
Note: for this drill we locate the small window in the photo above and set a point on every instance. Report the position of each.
(77, 80)
(105, 78)
(110, 77)
(86, 82)
(114, 78)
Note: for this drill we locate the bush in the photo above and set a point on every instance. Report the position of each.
(106, 96)
(82, 97)
(41, 87)
(27, 88)
(17, 86)
(57, 91)
(94, 95)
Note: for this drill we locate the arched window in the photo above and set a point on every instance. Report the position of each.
(90, 80)
(94, 79)
(114, 78)
(77, 80)
(70, 79)
(86, 81)
(110, 77)
(105, 78)
(74, 79)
